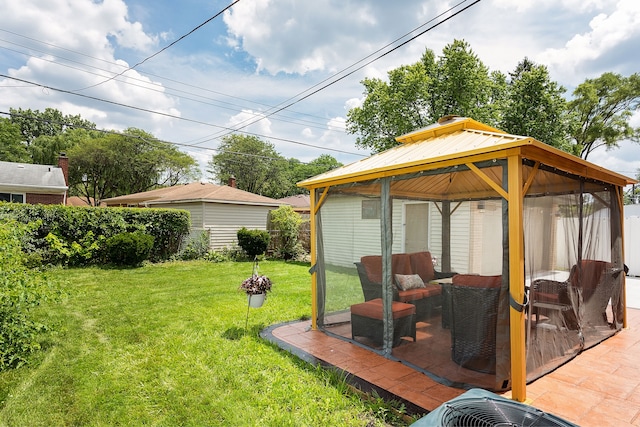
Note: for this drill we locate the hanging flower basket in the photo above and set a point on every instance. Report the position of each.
(256, 284)
(256, 288)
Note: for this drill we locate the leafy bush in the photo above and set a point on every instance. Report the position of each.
(253, 242)
(129, 248)
(234, 253)
(286, 223)
(21, 289)
(70, 235)
(196, 248)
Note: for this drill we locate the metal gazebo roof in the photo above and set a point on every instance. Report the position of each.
(459, 141)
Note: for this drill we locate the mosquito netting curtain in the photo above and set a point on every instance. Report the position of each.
(422, 274)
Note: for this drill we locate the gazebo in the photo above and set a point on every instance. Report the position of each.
(479, 258)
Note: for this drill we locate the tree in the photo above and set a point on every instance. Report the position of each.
(535, 106)
(603, 107)
(394, 108)
(463, 85)
(286, 222)
(111, 164)
(300, 171)
(418, 95)
(254, 163)
(50, 122)
(11, 147)
(45, 149)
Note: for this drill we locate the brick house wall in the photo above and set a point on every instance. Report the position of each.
(45, 199)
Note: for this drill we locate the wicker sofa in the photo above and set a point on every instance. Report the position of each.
(426, 297)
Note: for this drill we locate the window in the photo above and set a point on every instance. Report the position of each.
(12, 197)
(371, 209)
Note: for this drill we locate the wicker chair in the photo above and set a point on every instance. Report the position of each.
(587, 290)
(556, 301)
(474, 320)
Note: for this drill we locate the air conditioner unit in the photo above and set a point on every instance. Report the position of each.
(481, 408)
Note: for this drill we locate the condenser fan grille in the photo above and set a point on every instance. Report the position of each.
(487, 412)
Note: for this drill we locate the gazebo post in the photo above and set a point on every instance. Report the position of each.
(313, 255)
(516, 279)
(386, 243)
(445, 256)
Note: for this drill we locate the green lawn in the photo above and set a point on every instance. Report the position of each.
(165, 344)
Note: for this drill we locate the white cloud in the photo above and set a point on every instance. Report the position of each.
(353, 103)
(74, 51)
(322, 35)
(337, 123)
(251, 121)
(575, 5)
(608, 33)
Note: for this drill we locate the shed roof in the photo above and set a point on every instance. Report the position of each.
(457, 141)
(25, 177)
(192, 192)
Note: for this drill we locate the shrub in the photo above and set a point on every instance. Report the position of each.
(253, 242)
(286, 222)
(230, 253)
(129, 248)
(21, 289)
(196, 248)
(70, 235)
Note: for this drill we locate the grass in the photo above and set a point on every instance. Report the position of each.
(165, 344)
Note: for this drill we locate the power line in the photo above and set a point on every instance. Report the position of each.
(113, 132)
(164, 48)
(231, 106)
(332, 82)
(170, 90)
(175, 117)
(280, 107)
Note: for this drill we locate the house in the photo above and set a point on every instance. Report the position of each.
(33, 184)
(218, 210)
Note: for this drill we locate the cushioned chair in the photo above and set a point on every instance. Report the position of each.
(474, 320)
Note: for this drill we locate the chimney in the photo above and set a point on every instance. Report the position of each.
(232, 181)
(63, 163)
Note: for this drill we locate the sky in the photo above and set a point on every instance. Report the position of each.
(262, 65)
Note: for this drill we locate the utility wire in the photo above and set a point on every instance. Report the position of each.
(279, 107)
(219, 103)
(113, 132)
(319, 86)
(332, 82)
(164, 48)
(175, 117)
(169, 90)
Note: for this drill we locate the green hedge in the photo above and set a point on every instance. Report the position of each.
(75, 235)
